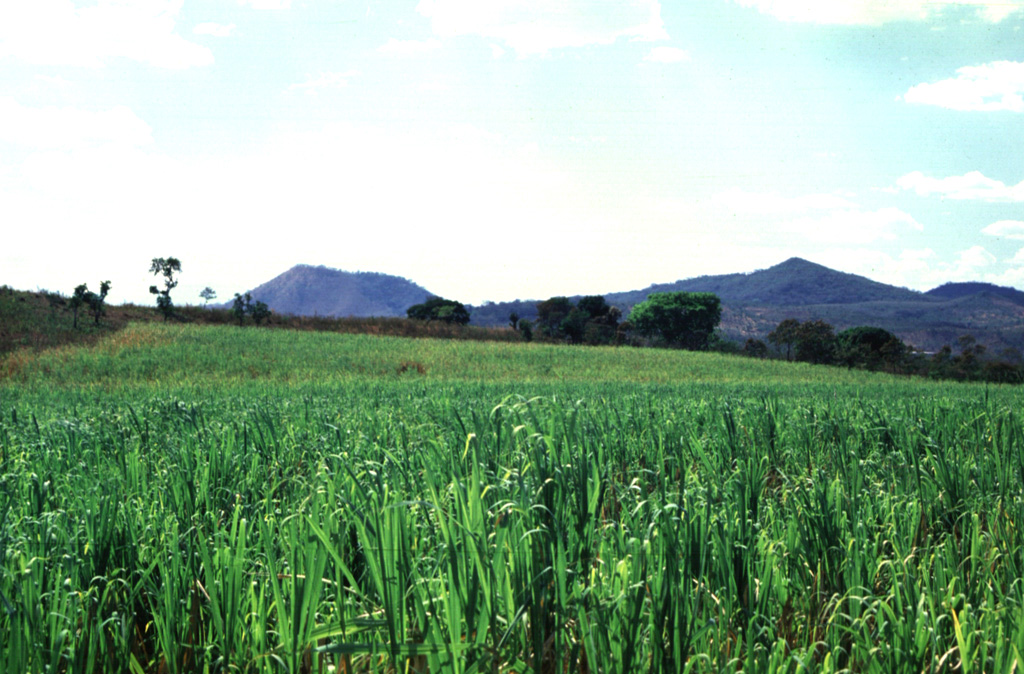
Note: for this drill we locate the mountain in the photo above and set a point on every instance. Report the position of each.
(952, 291)
(793, 283)
(305, 290)
(754, 303)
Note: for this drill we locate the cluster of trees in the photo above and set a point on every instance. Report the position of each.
(243, 306)
(95, 302)
(590, 321)
(439, 309)
(874, 348)
(817, 342)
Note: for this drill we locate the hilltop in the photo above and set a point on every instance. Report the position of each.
(305, 290)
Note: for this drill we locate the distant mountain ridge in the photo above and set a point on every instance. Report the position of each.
(952, 291)
(305, 290)
(795, 282)
(753, 303)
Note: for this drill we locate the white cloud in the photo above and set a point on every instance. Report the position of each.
(324, 81)
(1018, 258)
(409, 47)
(59, 128)
(1009, 229)
(667, 55)
(812, 218)
(538, 26)
(973, 186)
(214, 29)
(973, 259)
(877, 12)
(989, 87)
(62, 32)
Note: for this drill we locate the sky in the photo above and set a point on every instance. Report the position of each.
(504, 149)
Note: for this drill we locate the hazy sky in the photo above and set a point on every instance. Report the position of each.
(500, 149)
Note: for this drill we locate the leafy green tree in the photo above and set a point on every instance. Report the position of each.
(602, 320)
(77, 300)
(241, 306)
(439, 309)
(526, 329)
(96, 301)
(595, 306)
(678, 318)
(816, 343)
(870, 347)
(785, 334)
(550, 314)
(755, 348)
(166, 267)
(513, 320)
(259, 312)
(574, 325)
(207, 294)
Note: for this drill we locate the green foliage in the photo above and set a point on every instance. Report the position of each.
(241, 306)
(591, 321)
(810, 341)
(755, 348)
(77, 300)
(207, 294)
(872, 348)
(440, 309)
(526, 329)
(551, 313)
(259, 312)
(816, 343)
(166, 267)
(786, 334)
(679, 318)
(82, 296)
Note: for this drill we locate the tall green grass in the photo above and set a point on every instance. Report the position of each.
(162, 510)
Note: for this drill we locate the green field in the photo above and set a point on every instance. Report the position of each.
(207, 499)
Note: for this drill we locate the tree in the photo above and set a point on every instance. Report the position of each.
(77, 300)
(574, 325)
(259, 312)
(439, 309)
(602, 320)
(513, 320)
(755, 348)
(167, 267)
(816, 343)
(526, 329)
(207, 294)
(678, 318)
(785, 333)
(870, 347)
(95, 301)
(241, 306)
(550, 314)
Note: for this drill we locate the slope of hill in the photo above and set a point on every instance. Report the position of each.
(305, 290)
(795, 282)
(754, 303)
(952, 291)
